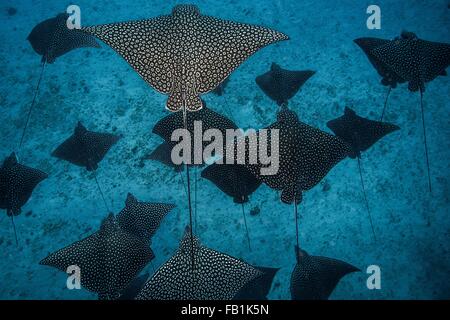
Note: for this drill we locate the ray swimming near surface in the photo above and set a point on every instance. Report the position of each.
(185, 54)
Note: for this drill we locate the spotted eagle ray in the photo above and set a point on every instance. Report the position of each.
(315, 277)
(417, 62)
(142, 219)
(217, 276)
(109, 259)
(184, 54)
(389, 76)
(280, 84)
(360, 133)
(52, 39)
(234, 180)
(258, 288)
(86, 148)
(306, 155)
(17, 183)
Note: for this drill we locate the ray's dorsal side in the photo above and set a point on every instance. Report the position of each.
(315, 277)
(109, 259)
(280, 84)
(184, 54)
(217, 276)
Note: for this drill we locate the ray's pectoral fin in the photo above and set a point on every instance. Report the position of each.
(177, 100)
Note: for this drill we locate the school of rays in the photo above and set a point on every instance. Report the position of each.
(184, 55)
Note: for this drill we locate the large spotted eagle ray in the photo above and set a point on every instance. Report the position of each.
(417, 62)
(315, 277)
(360, 133)
(108, 260)
(217, 276)
(51, 39)
(17, 183)
(306, 155)
(184, 54)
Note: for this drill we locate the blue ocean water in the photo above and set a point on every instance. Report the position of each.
(97, 87)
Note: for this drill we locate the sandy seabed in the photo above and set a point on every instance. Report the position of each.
(98, 88)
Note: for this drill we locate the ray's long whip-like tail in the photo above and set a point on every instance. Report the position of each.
(385, 103)
(14, 227)
(230, 114)
(425, 140)
(246, 228)
(101, 192)
(189, 195)
(32, 104)
(30, 111)
(365, 198)
(182, 182)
